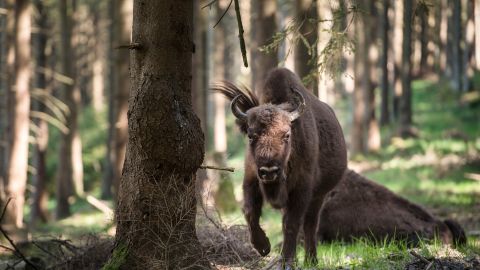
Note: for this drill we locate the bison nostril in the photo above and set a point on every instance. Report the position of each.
(268, 171)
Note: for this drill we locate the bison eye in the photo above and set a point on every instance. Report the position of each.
(286, 137)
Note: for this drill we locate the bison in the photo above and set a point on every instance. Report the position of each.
(296, 154)
(358, 207)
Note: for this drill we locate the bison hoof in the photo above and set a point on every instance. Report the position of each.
(286, 266)
(261, 244)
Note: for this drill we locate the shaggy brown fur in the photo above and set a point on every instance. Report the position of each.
(290, 164)
(358, 207)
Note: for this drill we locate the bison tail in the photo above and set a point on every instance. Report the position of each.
(459, 236)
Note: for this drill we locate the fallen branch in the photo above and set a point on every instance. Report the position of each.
(16, 252)
(229, 169)
(418, 256)
(100, 205)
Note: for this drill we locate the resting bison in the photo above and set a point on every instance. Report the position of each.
(295, 155)
(358, 207)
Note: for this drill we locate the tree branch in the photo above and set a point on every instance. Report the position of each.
(16, 252)
(240, 33)
(230, 169)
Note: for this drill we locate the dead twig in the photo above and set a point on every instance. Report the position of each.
(418, 256)
(131, 46)
(229, 169)
(17, 252)
(240, 33)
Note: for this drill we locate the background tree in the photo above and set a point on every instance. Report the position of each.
(306, 56)
(119, 91)
(264, 25)
(156, 204)
(406, 70)
(19, 121)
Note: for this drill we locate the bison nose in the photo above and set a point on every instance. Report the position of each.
(268, 173)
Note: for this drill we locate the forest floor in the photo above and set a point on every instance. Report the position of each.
(438, 169)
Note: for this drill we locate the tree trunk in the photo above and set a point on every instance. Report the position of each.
(3, 99)
(156, 204)
(406, 69)
(467, 44)
(306, 57)
(120, 87)
(264, 25)
(456, 58)
(18, 155)
(70, 163)
(39, 202)
(397, 49)
(362, 81)
(371, 123)
(384, 85)
(477, 34)
(423, 39)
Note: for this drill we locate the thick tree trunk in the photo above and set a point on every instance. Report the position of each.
(18, 155)
(384, 85)
(156, 204)
(306, 58)
(39, 202)
(264, 25)
(406, 69)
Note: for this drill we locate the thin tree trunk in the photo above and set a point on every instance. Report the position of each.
(384, 85)
(18, 155)
(456, 50)
(3, 99)
(69, 163)
(122, 87)
(156, 204)
(423, 39)
(362, 81)
(108, 174)
(467, 44)
(397, 49)
(371, 123)
(406, 69)
(39, 207)
(477, 34)
(306, 58)
(444, 36)
(264, 25)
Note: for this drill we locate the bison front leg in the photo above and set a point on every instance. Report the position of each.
(252, 209)
(292, 220)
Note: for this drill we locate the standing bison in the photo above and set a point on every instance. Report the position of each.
(296, 154)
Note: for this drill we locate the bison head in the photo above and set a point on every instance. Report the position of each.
(269, 130)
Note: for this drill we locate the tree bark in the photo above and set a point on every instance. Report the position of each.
(371, 123)
(406, 69)
(306, 58)
(264, 25)
(18, 155)
(156, 204)
(39, 202)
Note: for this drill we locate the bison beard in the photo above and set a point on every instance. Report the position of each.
(295, 155)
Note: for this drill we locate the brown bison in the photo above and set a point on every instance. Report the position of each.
(296, 153)
(358, 207)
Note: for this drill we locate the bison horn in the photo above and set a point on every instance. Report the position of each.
(300, 101)
(236, 111)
